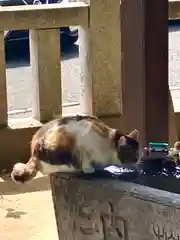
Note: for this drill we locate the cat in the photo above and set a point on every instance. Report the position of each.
(76, 143)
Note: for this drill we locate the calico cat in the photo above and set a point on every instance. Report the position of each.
(76, 143)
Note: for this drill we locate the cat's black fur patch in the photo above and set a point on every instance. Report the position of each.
(21, 177)
(56, 157)
(67, 119)
(128, 151)
(130, 141)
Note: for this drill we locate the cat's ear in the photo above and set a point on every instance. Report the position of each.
(112, 133)
(122, 141)
(134, 134)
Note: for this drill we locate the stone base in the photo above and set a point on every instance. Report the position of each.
(112, 210)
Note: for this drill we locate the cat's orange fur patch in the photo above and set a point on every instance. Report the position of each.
(98, 126)
(59, 138)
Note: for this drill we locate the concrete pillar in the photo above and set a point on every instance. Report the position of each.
(100, 53)
(45, 62)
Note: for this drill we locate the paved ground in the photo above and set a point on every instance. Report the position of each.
(26, 212)
(19, 80)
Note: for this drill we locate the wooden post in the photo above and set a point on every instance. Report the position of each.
(3, 88)
(100, 53)
(45, 61)
(145, 68)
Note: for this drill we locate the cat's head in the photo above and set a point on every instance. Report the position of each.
(127, 146)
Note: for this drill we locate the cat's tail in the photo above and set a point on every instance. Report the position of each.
(22, 173)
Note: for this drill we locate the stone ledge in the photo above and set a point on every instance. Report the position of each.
(111, 209)
(22, 118)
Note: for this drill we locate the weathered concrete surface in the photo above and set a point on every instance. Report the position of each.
(112, 210)
(26, 211)
(101, 80)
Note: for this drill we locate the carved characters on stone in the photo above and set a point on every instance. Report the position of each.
(101, 220)
(162, 234)
(114, 226)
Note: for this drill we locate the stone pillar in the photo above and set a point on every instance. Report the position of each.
(100, 54)
(145, 68)
(46, 71)
(3, 90)
(113, 209)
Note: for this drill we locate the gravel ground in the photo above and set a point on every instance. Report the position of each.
(26, 211)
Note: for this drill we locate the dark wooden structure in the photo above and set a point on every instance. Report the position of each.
(145, 68)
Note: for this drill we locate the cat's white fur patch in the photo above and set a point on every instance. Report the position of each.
(48, 168)
(112, 133)
(99, 149)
